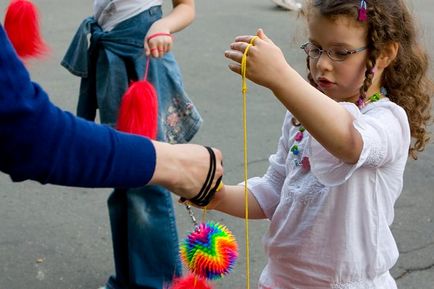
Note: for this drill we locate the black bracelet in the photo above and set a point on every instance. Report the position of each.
(206, 194)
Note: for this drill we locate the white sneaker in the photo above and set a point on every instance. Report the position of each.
(288, 4)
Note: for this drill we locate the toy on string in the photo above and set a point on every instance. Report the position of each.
(22, 27)
(209, 252)
(138, 112)
(190, 282)
(199, 251)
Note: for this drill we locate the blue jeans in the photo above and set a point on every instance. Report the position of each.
(112, 59)
(145, 240)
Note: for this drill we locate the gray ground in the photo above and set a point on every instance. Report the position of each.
(58, 238)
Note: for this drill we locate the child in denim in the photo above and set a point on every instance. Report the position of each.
(145, 241)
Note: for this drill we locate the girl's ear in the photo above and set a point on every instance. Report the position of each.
(387, 55)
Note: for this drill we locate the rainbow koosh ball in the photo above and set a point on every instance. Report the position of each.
(210, 251)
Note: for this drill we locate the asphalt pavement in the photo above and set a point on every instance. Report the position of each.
(53, 237)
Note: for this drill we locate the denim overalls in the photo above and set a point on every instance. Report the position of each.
(145, 241)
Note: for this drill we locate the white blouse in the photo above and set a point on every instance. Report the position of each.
(330, 222)
(109, 13)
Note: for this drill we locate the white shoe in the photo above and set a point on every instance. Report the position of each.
(288, 4)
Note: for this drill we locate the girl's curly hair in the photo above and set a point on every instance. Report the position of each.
(405, 79)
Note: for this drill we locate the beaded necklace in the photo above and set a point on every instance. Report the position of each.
(296, 147)
(361, 103)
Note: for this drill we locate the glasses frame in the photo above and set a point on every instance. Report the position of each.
(327, 51)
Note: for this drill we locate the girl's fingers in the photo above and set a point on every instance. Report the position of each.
(235, 67)
(244, 38)
(234, 55)
(147, 49)
(166, 48)
(158, 44)
(154, 52)
(159, 51)
(261, 34)
(240, 46)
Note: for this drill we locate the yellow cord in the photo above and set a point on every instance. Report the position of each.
(204, 214)
(246, 192)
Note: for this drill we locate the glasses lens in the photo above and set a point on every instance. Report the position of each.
(338, 54)
(305, 47)
(312, 50)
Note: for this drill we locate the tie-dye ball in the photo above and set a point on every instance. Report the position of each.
(210, 250)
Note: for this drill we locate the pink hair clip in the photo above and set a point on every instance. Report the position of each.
(363, 16)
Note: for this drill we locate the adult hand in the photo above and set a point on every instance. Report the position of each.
(183, 168)
(265, 61)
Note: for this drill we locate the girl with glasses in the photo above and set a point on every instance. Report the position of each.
(331, 186)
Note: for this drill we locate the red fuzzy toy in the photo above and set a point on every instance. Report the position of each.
(138, 112)
(190, 282)
(22, 26)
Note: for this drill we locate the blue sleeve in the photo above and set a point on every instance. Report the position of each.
(38, 141)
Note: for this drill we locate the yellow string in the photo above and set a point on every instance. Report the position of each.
(203, 214)
(246, 192)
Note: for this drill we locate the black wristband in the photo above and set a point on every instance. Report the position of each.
(206, 194)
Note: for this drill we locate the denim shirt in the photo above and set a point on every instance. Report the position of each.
(112, 59)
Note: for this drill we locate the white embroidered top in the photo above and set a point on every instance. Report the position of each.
(330, 223)
(108, 13)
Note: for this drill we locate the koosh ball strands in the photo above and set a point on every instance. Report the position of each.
(210, 251)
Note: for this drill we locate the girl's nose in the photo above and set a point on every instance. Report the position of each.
(324, 62)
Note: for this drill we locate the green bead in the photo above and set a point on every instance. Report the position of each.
(294, 149)
(375, 97)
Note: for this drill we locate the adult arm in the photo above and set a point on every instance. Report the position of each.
(39, 141)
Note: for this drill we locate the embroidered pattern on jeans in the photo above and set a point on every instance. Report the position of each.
(177, 113)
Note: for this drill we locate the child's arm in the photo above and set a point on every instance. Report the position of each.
(181, 16)
(264, 192)
(327, 121)
(231, 200)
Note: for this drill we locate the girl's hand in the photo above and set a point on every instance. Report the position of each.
(265, 61)
(215, 201)
(158, 40)
(218, 198)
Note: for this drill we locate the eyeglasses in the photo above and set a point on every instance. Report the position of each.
(335, 54)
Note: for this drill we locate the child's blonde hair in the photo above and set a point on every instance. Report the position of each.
(405, 79)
